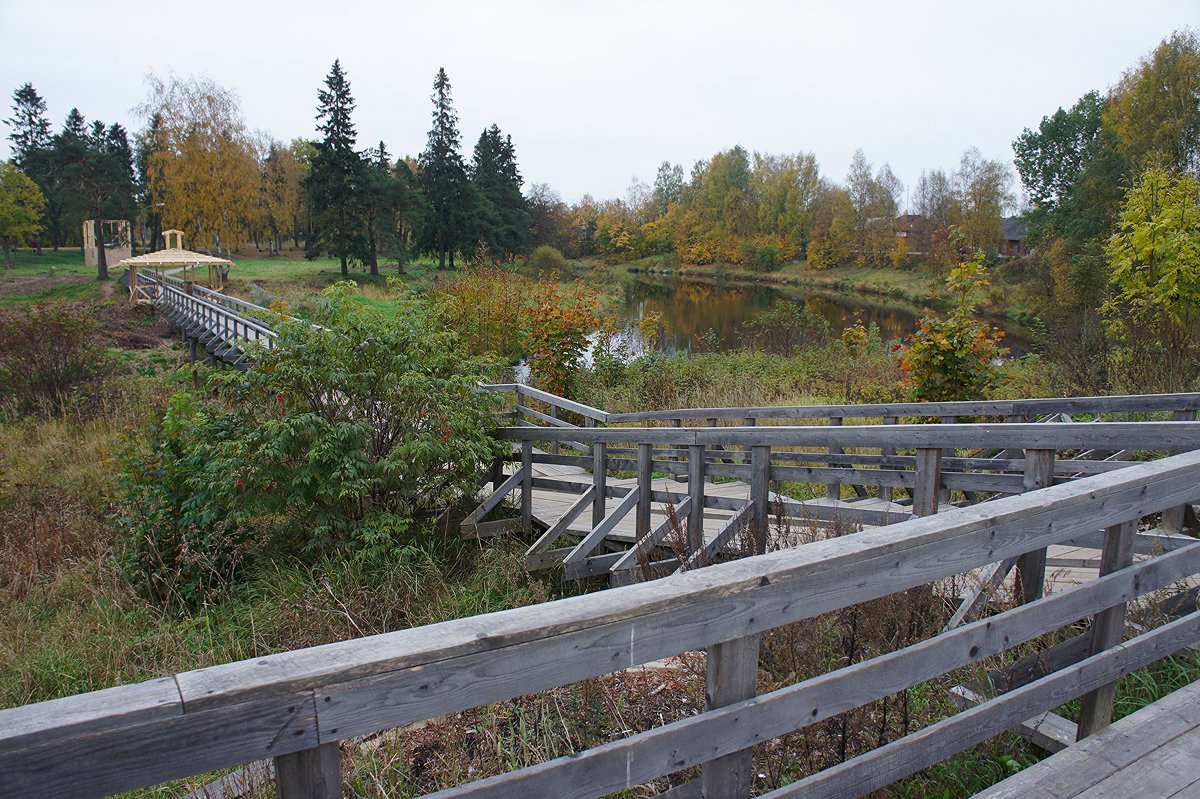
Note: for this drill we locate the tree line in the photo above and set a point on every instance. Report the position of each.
(197, 166)
(1114, 190)
(763, 210)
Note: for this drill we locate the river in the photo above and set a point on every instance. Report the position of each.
(711, 315)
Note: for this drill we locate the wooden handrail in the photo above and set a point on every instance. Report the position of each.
(127, 737)
(1130, 403)
(1136, 403)
(1112, 435)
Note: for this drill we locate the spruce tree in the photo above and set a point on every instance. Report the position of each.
(505, 224)
(95, 169)
(337, 178)
(30, 127)
(448, 193)
(31, 142)
(381, 203)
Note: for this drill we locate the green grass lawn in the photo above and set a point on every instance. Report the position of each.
(68, 260)
(62, 275)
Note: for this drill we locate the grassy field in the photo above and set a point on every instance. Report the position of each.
(62, 275)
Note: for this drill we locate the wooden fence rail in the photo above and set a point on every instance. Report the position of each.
(296, 706)
(1184, 404)
(702, 454)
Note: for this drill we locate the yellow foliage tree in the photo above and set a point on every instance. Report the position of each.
(279, 193)
(203, 167)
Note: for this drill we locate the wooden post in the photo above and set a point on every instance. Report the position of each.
(553, 415)
(1173, 519)
(1108, 626)
(1012, 418)
(600, 481)
(929, 477)
(1031, 567)
(731, 676)
(645, 459)
(497, 473)
(944, 490)
(527, 486)
(834, 489)
(519, 403)
(695, 522)
(760, 495)
(885, 492)
(310, 773)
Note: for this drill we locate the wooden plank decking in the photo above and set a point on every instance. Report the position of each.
(1153, 753)
(549, 506)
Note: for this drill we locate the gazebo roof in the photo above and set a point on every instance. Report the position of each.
(175, 257)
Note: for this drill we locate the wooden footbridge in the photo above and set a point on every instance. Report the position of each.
(859, 466)
(938, 502)
(223, 325)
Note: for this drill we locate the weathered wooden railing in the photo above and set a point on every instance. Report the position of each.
(1018, 410)
(221, 323)
(295, 707)
(992, 468)
(766, 455)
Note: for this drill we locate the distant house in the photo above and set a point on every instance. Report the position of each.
(906, 227)
(1012, 241)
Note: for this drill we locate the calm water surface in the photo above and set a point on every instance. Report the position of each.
(704, 315)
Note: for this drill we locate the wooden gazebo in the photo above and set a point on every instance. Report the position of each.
(176, 261)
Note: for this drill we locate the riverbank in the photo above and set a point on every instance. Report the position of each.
(917, 286)
(1013, 300)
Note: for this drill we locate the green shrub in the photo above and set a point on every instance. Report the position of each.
(336, 439)
(548, 259)
(762, 257)
(785, 327)
(954, 357)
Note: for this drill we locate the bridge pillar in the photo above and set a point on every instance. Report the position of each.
(885, 492)
(600, 481)
(1108, 627)
(695, 522)
(760, 495)
(527, 486)
(834, 489)
(731, 676)
(645, 461)
(310, 773)
(1174, 519)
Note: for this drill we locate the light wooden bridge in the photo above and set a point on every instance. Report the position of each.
(886, 466)
(220, 324)
(970, 499)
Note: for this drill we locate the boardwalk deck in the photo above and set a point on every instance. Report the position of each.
(549, 506)
(1154, 752)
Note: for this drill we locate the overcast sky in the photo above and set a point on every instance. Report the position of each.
(594, 94)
